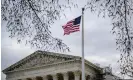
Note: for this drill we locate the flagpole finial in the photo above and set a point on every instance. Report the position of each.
(83, 9)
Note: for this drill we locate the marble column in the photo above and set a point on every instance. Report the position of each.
(33, 78)
(77, 75)
(65, 75)
(24, 79)
(44, 77)
(55, 77)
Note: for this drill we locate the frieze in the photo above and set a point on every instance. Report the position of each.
(13, 75)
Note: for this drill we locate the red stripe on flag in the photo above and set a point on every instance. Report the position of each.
(70, 27)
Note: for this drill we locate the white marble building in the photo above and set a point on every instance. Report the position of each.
(43, 65)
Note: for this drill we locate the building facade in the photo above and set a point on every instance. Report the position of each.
(42, 65)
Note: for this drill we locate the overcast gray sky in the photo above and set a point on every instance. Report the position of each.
(100, 44)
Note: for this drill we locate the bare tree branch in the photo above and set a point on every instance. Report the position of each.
(30, 20)
(120, 11)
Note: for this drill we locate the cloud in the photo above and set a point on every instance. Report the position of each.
(99, 42)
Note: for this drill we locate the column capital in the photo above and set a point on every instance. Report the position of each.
(53, 74)
(24, 79)
(33, 78)
(55, 77)
(44, 77)
(77, 73)
(65, 75)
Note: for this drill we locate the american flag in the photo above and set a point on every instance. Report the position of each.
(72, 26)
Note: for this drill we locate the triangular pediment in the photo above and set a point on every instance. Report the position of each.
(39, 58)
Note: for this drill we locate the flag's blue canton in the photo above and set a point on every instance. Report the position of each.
(72, 26)
(77, 20)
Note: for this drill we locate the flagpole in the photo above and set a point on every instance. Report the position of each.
(83, 63)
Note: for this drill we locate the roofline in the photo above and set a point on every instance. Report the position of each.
(48, 53)
(98, 69)
(20, 61)
(35, 53)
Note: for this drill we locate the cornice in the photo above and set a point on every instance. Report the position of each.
(70, 59)
(48, 65)
(54, 64)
